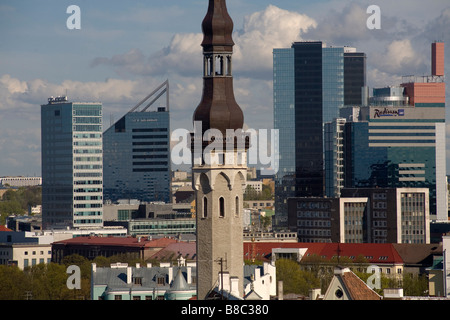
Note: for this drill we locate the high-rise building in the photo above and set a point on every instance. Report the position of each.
(399, 140)
(72, 174)
(136, 153)
(363, 215)
(219, 162)
(311, 83)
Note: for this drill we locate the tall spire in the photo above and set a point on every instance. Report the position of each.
(218, 171)
(218, 108)
(217, 28)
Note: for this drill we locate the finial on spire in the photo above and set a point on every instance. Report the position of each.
(217, 28)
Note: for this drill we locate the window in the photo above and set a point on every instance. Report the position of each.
(117, 297)
(160, 281)
(237, 207)
(221, 207)
(205, 207)
(138, 281)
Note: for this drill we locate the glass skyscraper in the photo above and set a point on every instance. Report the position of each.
(284, 121)
(402, 146)
(72, 174)
(137, 157)
(309, 89)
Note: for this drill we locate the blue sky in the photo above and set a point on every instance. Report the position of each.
(125, 49)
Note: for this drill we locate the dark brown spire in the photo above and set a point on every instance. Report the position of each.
(217, 28)
(218, 108)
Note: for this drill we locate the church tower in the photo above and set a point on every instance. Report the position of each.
(219, 161)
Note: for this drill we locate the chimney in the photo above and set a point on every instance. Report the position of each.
(234, 284)
(226, 281)
(437, 58)
(189, 275)
(280, 290)
(314, 294)
(94, 267)
(129, 274)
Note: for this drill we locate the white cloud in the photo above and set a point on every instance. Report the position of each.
(262, 31)
(398, 58)
(342, 27)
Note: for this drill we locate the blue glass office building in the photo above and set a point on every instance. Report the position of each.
(71, 138)
(284, 121)
(137, 157)
(402, 146)
(309, 89)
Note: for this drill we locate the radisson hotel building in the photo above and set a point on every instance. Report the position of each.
(399, 139)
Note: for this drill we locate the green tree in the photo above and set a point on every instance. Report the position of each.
(414, 285)
(266, 222)
(13, 283)
(294, 279)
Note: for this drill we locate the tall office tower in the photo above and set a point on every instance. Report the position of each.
(72, 191)
(309, 89)
(401, 141)
(284, 121)
(136, 152)
(219, 164)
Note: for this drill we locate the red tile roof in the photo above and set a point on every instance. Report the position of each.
(373, 252)
(3, 228)
(358, 289)
(119, 241)
(186, 249)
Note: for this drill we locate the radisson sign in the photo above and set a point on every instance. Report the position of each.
(388, 113)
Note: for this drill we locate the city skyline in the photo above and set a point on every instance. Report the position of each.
(123, 51)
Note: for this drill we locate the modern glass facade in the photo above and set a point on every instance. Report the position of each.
(284, 121)
(354, 77)
(137, 157)
(332, 82)
(309, 90)
(388, 153)
(309, 178)
(72, 168)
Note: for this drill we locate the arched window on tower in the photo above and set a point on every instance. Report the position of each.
(205, 207)
(228, 65)
(221, 207)
(219, 65)
(237, 206)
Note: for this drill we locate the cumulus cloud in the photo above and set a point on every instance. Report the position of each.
(342, 27)
(262, 31)
(399, 57)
